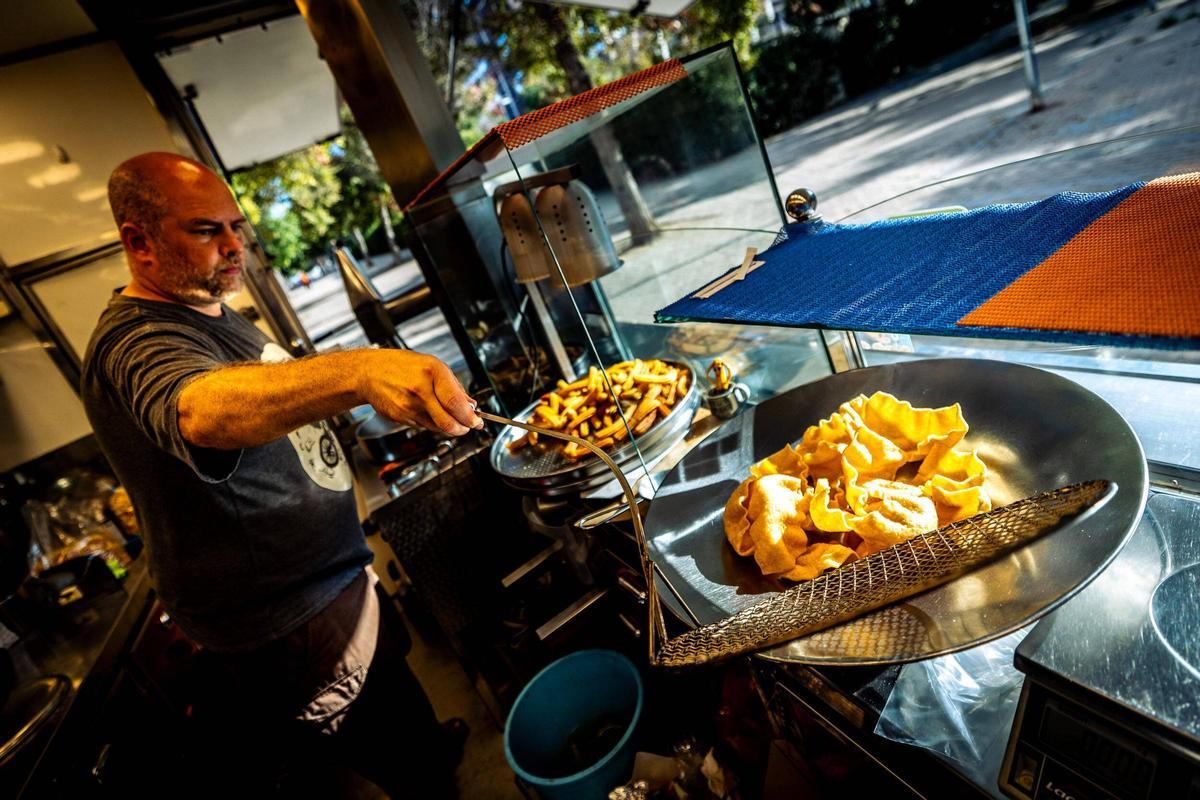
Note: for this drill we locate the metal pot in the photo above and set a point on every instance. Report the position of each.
(385, 441)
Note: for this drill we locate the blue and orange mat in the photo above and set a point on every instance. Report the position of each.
(1111, 268)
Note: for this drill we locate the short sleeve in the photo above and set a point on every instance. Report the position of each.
(148, 367)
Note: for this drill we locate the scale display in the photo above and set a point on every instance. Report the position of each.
(1063, 751)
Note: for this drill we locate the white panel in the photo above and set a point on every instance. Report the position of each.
(39, 411)
(74, 299)
(260, 93)
(89, 103)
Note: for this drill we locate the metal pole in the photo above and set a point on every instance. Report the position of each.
(1036, 101)
(452, 61)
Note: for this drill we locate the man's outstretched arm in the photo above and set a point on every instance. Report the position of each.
(245, 405)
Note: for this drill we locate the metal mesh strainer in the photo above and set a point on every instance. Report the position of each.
(900, 571)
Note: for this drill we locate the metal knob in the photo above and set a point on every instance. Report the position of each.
(801, 205)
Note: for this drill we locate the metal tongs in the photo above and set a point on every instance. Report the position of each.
(852, 590)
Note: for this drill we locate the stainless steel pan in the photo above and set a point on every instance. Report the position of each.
(1036, 431)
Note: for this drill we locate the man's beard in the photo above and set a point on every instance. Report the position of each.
(183, 281)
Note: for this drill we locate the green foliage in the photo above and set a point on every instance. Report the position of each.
(514, 34)
(302, 201)
(868, 55)
(890, 37)
(795, 77)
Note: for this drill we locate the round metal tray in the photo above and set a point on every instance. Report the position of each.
(545, 470)
(1034, 429)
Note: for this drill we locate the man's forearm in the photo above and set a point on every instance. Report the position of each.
(245, 405)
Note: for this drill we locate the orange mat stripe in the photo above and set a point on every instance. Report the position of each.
(1135, 270)
(535, 124)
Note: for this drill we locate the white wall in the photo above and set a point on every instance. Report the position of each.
(89, 104)
(39, 412)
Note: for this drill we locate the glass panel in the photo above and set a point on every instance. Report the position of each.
(637, 204)
(39, 410)
(1088, 168)
(75, 298)
(556, 252)
(1155, 390)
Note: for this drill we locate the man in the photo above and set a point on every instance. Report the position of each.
(242, 492)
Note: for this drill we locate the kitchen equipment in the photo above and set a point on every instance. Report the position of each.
(893, 574)
(1034, 429)
(724, 397)
(27, 711)
(571, 731)
(1109, 704)
(554, 231)
(547, 471)
(961, 547)
(387, 442)
(369, 308)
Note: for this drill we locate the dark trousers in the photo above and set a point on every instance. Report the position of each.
(297, 713)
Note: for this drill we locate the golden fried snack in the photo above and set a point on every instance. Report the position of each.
(817, 558)
(877, 472)
(635, 396)
(737, 519)
(778, 509)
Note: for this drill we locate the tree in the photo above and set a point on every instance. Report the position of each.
(612, 160)
(301, 201)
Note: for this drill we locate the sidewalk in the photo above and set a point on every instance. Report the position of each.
(1118, 75)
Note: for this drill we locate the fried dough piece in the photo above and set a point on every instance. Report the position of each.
(778, 509)
(737, 520)
(897, 516)
(817, 558)
(914, 430)
(955, 504)
(826, 516)
(787, 461)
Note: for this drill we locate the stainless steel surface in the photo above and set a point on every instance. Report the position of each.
(576, 233)
(1035, 430)
(1132, 635)
(557, 350)
(882, 578)
(532, 564)
(547, 471)
(549, 628)
(656, 628)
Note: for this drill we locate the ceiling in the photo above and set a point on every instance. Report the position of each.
(29, 24)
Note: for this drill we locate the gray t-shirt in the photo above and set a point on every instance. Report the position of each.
(244, 545)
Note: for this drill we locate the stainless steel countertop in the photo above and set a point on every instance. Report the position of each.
(1130, 635)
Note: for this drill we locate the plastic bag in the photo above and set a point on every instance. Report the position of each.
(960, 706)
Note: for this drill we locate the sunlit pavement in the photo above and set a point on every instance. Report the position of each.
(1115, 76)
(1112, 77)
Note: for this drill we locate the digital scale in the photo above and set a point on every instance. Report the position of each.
(1110, 707)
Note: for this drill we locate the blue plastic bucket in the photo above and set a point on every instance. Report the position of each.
(570, 734)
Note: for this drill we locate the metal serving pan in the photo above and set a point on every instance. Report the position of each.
(546, 471)
(1034, 429)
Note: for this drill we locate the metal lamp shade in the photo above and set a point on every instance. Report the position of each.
(577, 233)
(530, 259)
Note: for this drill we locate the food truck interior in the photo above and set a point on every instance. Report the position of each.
(968, 409)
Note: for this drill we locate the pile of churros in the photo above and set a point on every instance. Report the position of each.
(642, 393)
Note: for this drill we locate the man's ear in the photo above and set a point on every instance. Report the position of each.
(137, 244)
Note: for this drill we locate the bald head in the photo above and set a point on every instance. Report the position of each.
(181, 227)
(142, 188)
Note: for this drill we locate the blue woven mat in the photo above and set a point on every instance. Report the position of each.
(917, 275)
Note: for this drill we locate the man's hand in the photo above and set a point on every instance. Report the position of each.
(418, 390)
